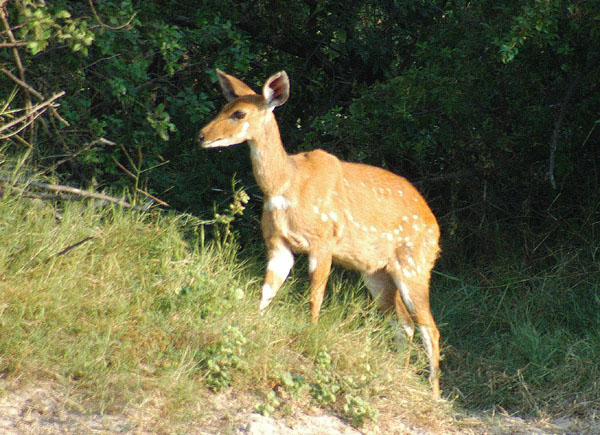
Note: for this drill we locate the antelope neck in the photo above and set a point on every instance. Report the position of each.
(272, 167)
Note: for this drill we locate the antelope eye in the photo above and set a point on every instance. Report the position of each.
(238, 114)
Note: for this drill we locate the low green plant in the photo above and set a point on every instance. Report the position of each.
(223, 358)
(292, 382)
(358, 410)
(326, 385)
(270, 404)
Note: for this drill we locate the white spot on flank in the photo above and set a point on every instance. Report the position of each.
(324, 217)
(333, 216)
(400, 192)
(277, 202)
(312, 264)
(316, 209)
(390, 237)
(405, 218)
(416, 227)
(373, 229)
(363, 184)
(415, 216)
(410, 261)
(365, 228)
(396, 231)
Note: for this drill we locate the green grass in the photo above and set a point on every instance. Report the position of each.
(124, 309)
(524, 341)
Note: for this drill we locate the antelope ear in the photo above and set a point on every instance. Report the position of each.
(232, 87)
(276, 89)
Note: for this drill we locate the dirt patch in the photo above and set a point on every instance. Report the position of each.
(42, 409)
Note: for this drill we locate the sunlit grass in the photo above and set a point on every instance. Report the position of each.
(120, 308)
(138, 310)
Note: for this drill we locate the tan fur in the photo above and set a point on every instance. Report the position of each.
(359, 216)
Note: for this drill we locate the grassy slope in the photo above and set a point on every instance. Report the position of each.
(140, 310)
(144, 311)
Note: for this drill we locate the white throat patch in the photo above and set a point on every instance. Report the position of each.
(277, 202)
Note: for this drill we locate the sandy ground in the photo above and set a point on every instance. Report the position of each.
(42, 409)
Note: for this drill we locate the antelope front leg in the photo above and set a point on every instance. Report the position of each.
(280, 263)
(319, 266)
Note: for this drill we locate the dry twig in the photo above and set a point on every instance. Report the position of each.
(59, 188)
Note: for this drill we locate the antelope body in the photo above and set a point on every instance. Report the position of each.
(359, 216)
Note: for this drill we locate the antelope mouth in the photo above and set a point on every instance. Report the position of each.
(217, 143)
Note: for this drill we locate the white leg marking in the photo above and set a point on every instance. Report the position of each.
(405, 293)
(281, 263)
(312, 264)
(428, 347)
(426, 340)
(267, 296)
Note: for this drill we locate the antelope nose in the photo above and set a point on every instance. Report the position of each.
(200, 138)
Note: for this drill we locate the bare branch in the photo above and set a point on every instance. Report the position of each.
(22, 83)
(39, 108)
(12, 44)
(84, 194)
(32, 91)
(16, 56)
(106, 25)
(69, 248)
(72, 156)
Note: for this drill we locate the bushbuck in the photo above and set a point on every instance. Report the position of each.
(359, 216)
